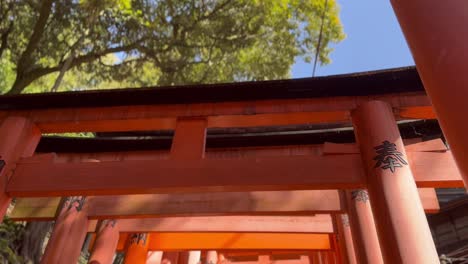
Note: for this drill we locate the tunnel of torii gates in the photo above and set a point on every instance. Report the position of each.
(316, 170)
(249, 172)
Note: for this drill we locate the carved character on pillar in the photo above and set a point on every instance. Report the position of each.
(110, 222)
(75, 201)
(360, 195)
(137, 238)
(388, 157)
(345, 220)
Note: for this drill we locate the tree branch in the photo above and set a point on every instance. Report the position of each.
(4, 38)
(94, 56)
(30, 75)
(39, 27)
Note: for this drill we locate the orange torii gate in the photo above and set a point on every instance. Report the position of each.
(387, 170)
(190, 178)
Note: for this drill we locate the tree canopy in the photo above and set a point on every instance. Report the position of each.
(57, 45)
(48, 45)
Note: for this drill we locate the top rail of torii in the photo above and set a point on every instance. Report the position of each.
(320, 100)
(191, 111)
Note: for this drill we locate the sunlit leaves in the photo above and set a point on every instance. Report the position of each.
(168, 42)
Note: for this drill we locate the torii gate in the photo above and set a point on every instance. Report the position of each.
(275, 198)
(379, 162)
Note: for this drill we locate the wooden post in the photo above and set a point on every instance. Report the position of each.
(154, 257)
(402, 226)
(190, 257)
(336, 252)
(264, 259)
(305, 259)
(340, 238)
(332, 257)
(69, 233)
(221, 258)
(324, 257)
(137, 249)
(189, 139)
(348, 238)
(106, 242)
(211, 257)
(171, 257)
(18, 138)
(314, 257)
(363, 228)
(442, 62)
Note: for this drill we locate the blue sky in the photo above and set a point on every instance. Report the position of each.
(373, 41)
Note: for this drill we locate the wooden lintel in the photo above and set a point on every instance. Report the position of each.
(227, 114)
(39, 179)
(228, 241)
(274, 254)
(435, 170)
(429, 200)
(271, 224)
(213, 204)
(435, 145)
(176, 176)
(284, 203)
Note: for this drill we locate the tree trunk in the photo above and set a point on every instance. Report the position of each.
(62, 72)
(20, 83)
(33, 241)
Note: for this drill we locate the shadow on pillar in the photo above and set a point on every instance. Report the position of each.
(137, 249)
(106, 242)
(69, 233)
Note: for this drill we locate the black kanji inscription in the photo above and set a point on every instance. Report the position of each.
(76, 201)
(360, 195)
(388, 157)
(137, 238)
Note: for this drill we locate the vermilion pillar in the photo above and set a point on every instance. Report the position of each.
(337, 254)
(106, 242)
(305, 259)
(69, 233)
(264, 259)
(343, 224)
(190, 257)
(171, 257)
(314, 257)
(137, 249)
(437, 34)
(363, 228)
(211, 257)
(18, 138)
(402, 226)
(221, 258)
(154, 257)
(194, 257)
(332, 257)
(324, 257)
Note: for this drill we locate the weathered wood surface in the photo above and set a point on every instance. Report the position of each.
(320, 223)
(36, 179)
(214, 204)
(226, 114)
(155, 205)
(234, 241)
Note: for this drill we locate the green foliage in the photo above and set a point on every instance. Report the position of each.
(84, 257)
(11, 234)
(7, 73)
(80, 44)
(79, 134)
